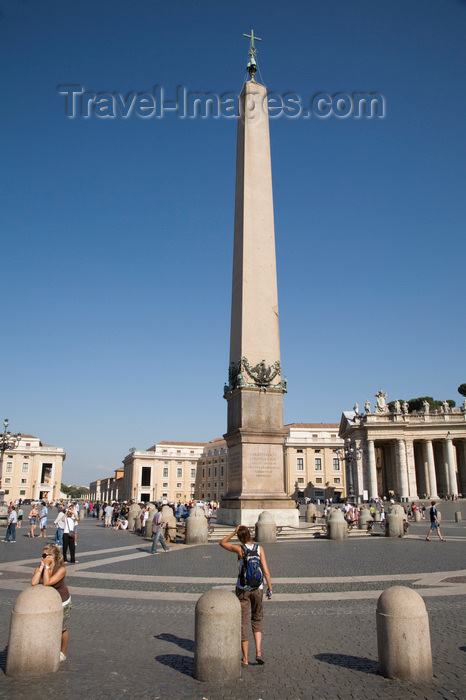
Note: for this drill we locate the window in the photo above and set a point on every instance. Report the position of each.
(300, 464)
(145, 476)
(178, 452)
(192, 486)
(318, 464)
(208, 472)
(314, 435)
(25, 468)
(7, 480)
(165, 473)
(165, 486)
(179, 472)
(179, 486)
(221, 484)
(21, 493)
(193, 473)
(317, 451)
(165, 462)
(319, 480)
(203, 473)
(336, 480)
(300, 479)
(24, 481)
(221, 471)
(215, 471)
(164, 495)
(336, 465)
(9, 467)
(299, 451)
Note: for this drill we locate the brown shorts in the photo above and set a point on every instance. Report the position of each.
(250, 600)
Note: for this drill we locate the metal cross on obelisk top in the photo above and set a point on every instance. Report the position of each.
(252, 67)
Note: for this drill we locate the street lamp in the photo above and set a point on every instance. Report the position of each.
(8, 441)
(350, 455)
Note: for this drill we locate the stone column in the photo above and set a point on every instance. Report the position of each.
(371, 470)
(411, 470)
(429, 458)
(451, 467)
(402, 469)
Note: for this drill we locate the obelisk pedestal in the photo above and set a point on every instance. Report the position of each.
(255, 434)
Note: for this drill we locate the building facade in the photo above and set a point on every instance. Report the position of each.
(33, 470)
(409, 455)
(212, 472)
(165, 471)
(313, 466)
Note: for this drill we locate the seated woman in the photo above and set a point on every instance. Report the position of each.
(51, 572)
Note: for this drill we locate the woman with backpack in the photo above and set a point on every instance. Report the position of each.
(252, 569)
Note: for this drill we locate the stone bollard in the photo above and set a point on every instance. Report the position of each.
(82, 513)
(35, 633)
(394, 525)
(266, 529)
(403, 637)
(149, 521)
(217, 636)
(337, 527)
(439, 516)
(364, 519)
(196, 526)
(311, 513)
(394, 521)
(133, 513)
(169, 521)
(377, 516)
(458, 516)
(417, 516)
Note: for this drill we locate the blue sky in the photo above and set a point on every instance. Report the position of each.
(118, 233)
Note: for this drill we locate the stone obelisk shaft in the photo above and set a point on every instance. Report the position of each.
(255, 433)
(254, 309)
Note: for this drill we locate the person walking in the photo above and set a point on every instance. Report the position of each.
(11, 525)
(33, 520)
(43, 520)
(434, 523)
(59, 522)
(51, 572)
(68, 537)
(157, 531)
(249, 595)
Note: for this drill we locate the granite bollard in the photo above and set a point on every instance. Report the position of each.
(403, 637)
(35, 633)
(196, 526)
(417, 515)
(266, 529)
(337, 527)
(458, 516)
(311, 513)
(169, 521)
(217, 636)
(365, 518)
(149, 521)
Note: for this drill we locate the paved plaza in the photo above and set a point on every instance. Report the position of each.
(132, 621)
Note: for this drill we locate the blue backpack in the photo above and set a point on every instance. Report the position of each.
(251, 575)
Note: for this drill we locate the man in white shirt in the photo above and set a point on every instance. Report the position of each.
(11, 529)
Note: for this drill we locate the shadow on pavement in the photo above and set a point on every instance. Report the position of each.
(462, 648)
(3, 655)
(183, 664)
(186, 644)
(356, 663)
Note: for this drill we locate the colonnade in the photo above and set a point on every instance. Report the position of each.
(410, 468)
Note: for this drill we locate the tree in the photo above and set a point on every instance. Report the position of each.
(462, 389)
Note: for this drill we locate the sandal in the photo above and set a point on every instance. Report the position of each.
(260, 660)
(428, 539)
(244, 663)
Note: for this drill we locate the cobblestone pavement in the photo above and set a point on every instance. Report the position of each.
(132, 622)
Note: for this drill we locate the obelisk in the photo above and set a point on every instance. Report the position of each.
(255, 433)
